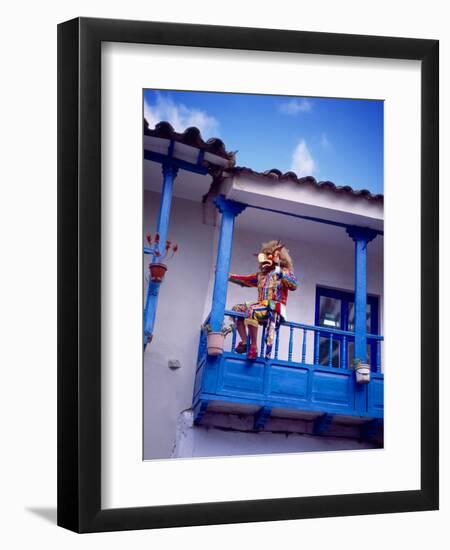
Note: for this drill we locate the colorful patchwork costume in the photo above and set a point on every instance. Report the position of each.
(273, 282)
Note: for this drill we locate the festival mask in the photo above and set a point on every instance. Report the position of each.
(268, 260)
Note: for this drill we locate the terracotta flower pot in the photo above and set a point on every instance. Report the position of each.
(215, 343)
(362, 372)
(157, 272)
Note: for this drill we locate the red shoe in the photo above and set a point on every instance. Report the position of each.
(241, 347)
(252, 353)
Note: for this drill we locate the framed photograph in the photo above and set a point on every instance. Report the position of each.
(248, 275)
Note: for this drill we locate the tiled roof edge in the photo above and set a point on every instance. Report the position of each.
(191, 136)
(276, 176)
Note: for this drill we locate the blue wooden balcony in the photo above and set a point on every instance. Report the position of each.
(294, 382)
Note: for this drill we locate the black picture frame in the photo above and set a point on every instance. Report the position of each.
(79, 274)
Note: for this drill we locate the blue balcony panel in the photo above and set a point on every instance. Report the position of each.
(240, 379)
(198, 379)
(286, 382)
(375, 395)
(231, 384)
(333, 387)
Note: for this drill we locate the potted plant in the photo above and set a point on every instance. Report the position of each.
(158, 269)
(362, 371)
(216, 340)
(157, 272)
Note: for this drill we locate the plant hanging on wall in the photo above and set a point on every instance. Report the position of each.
(362, 371)
(158, 269)
(216, 340)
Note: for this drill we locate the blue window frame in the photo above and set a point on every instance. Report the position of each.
(335, 309)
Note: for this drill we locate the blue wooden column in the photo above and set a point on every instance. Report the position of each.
(229, 210)
(361, 236)
(169, 171)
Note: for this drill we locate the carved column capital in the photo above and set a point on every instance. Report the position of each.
(169, 169)
(228, 206)
(361, 233)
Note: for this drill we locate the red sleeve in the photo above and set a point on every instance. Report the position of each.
(244, 280)
(289, 279)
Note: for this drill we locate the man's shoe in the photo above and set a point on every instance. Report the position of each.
(252, 353)
(241, 347)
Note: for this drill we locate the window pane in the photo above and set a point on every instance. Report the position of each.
(330, 312)
(324, 352)
(351, 317)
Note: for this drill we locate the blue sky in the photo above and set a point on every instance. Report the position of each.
(340, 140)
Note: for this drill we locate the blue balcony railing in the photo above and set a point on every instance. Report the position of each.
(309, 373)
(311, 332)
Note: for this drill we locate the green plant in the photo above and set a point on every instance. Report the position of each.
(357, 362)
(224, 329)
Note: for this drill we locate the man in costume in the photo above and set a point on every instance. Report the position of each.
(273, 281)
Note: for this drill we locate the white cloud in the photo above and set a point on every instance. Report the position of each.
(295, 106)
(302, 162)
(180, 116)
(324, 141)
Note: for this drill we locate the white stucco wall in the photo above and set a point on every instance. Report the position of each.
(185, 298)
(234, 438)
(178, 320)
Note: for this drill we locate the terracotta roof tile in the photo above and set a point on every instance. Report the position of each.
(191, 136)
(276, 176)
